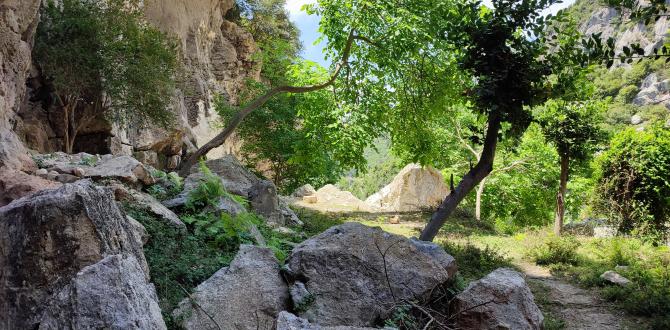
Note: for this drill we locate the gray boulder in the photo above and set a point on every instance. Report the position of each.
(264, 200)
(613, 277)
(46, 238)
(154, 207)
(355, 273)
(111, 294)
(288, 321)
(249, 294)
(501, 300)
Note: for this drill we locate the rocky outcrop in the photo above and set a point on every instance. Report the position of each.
(652, 91)
(218, 59)
(16, 184)
(111, 294)
(249, 294)
(501, 300)
(106, 167)
(238, 180)
(355, 273)
(18, 21)
(329, 198)
(154, 207)
(414, 189)
(47, 238)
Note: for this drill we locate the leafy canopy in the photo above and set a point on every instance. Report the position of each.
(103, 51)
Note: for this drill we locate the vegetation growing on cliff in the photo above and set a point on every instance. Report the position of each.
(100, 58)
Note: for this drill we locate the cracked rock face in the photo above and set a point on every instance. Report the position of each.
(18, 21)
(46, 238)
(355, 273)
(111, 294)
(247, 295)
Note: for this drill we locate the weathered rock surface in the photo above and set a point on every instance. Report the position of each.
(111, 294)
(238, 180)
(345, 270)
(18, 21)
(16, 184)
(249, 294)
(46, 238)
(288, 321)
(414, 188)
(97, 167)
(305, 190)
(615, 278)
(153, 206)
(652, 91)
(329, 198)
(501, 300)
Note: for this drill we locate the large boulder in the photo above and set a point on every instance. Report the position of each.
(16, 184)
(249, 294)
(330, 198)
(46, 238)
(111, 294)
(238, 180)
(415, 188)
(354, 273)
(501, 300)
(154, 207)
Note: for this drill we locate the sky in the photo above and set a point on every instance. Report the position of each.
(309, 27)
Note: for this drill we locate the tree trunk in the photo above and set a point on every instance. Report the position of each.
(560, 197)
(470, 180)
(478, 202)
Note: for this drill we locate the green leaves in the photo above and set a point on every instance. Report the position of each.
(102, 51)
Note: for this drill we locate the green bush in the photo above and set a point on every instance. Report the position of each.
(209, 191)
(634, 181)
(555, 250)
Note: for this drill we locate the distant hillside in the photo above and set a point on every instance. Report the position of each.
(640, 91)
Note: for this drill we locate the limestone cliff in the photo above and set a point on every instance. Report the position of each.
(651, 86)
(217, 59)
(18, 20)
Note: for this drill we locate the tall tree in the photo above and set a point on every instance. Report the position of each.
(101, 59)
(574, 128)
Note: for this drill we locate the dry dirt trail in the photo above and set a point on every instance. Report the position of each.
(579, 308)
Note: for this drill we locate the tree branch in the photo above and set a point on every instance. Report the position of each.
(220, 139)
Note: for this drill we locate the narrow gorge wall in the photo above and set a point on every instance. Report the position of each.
(217, 59)
(18, 20)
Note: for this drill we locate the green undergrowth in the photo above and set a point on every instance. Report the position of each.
(584, 259)
(178, 261)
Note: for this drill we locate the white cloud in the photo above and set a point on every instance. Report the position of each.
(293, 7)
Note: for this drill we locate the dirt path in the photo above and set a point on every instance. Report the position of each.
(576, 307)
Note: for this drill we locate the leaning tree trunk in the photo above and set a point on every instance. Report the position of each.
(221, 138)
(560, 197)
(478, 200)
(470, 180)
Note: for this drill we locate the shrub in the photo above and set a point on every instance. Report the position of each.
(634, 181)
(209, 191)
(555, 250)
